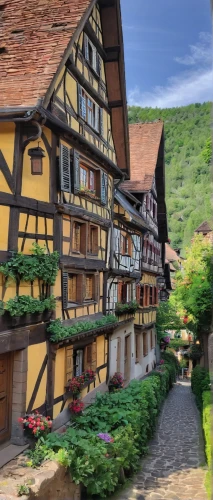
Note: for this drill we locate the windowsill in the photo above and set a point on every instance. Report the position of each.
(75, 305)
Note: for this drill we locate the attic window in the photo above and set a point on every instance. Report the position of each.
(3, 50)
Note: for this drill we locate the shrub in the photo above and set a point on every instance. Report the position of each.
(207, 423)
(111, 434)
(200, 382)
(60, 332)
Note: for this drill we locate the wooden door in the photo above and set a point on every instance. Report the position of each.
(127, 358)
(5, 395)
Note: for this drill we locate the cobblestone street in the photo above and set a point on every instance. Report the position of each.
(173, 469)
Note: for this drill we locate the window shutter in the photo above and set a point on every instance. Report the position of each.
(104, 187)
(96, 293)
(88, 357)
(64, 290)
(101, 122)
(98, 64)
(65, 173)
(118, 354)
(119, 291)
(86, 47)
(80, 288)
(97, 118)
(138, 293)
(83, 242)
(69, 364)
(94, 356)
(94, 57)
(81, 103)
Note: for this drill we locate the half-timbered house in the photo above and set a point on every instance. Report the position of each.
(124, 276)
(63, 141)
(147, 184)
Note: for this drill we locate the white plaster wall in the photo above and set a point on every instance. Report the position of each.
(121, 332)
(150, 359)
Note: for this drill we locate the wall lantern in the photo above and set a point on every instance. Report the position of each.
(163, 295)
(161, 281)
(36, 156)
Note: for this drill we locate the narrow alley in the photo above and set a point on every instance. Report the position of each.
(174, 468)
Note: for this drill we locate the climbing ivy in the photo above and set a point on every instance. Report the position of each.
(40, 265)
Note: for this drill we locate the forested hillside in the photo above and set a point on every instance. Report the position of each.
(188, 156)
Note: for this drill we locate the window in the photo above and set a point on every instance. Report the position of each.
(87, 179)
(137, 347)
(91, 55)
(78, 362)
(145, 344)
(122, 292)
(126, 245)
(76, 237)
(79, 288)
(72, 288)
(89, 287)
(93, 240)
(79, 235)
(90, 357)
(68, 363)
(88, 109)
(150, 295)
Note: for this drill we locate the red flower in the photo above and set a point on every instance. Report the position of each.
(42, 428)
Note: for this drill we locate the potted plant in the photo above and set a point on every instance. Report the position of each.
(76, 407)
(116, 382)
(35, 425)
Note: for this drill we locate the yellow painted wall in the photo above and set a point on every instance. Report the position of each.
(36, 355)
(7, 136)
(35, 186)
(59, 372)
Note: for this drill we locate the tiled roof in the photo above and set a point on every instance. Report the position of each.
(204, 228)
(34, 35)
(171, 255)
(144, 147)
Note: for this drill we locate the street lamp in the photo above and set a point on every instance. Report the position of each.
(36, 156)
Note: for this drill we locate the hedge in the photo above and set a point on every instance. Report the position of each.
(107, 441)
(207, 409)
(200, 382)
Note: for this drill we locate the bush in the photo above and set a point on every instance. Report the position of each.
(200, 382)
(177, 343)
(111, 434)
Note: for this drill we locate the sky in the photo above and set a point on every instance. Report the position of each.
(168, 52)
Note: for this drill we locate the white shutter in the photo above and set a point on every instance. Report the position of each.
(81, 103)
(65, 172)
(104, 187)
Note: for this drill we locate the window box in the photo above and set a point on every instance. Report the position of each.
(8, 321)
(129, 308)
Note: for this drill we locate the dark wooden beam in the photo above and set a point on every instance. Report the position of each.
(5, 256)
(112, 54)
(87, 86)
(13, 229)
(81, 263)
(37, 385)
(104, 4)
(6, 173)
(53, 170)
(34, 236)
(83, 214)
(116, 104)
(14, 340)
(57, 231)
(24, 202)
(50, 379)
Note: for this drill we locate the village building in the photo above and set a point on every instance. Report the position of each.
(147, 184)
(63, 142)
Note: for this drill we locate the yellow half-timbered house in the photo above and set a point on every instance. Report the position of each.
(147, 184)
(63, 141)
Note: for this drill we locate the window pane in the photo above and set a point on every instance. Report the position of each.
(91, 180)
(83, 177)
(76, 237)
(72, 288)
(88, 295)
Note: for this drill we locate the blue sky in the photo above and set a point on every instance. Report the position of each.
(168, 52)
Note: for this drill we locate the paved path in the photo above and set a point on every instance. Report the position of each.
(172, 470)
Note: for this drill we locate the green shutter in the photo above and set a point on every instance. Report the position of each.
(64, 290)
(104, 187)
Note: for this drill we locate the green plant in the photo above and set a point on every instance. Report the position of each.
(183, 363)
(129, 417)
(177, 343)
(128, 308)
(200, 382)
(35, 425)
(23, 489)
(1, 308)
(59, 332)
(40, 265)
(25, 304)
(194, 352)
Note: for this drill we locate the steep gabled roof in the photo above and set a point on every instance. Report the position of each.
(34, 36)
(145, 139)
(204, 228)
(171, 255)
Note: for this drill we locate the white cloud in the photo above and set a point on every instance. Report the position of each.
(192, 85)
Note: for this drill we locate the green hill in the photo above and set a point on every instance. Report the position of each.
(188, 157)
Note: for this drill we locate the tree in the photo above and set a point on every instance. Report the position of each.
(193, 292)
(207, 151)
(167, 318)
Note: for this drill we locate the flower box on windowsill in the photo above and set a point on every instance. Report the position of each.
(26, 319)
(128, 308)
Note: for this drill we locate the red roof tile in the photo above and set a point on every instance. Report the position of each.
(34, 35)
(145, 140)
(171, 255)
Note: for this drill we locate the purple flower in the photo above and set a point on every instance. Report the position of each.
(105, 437)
